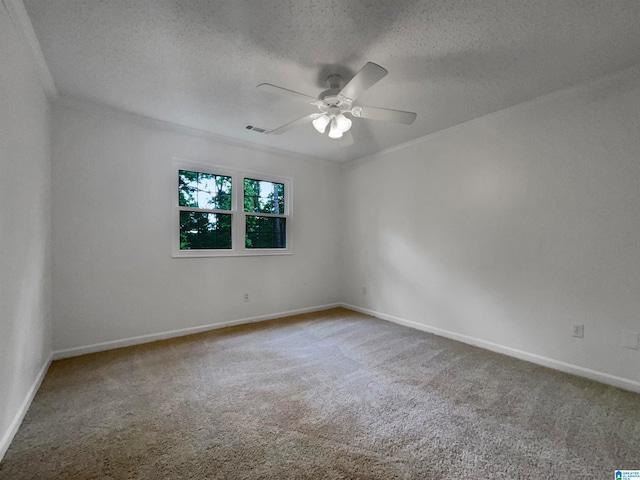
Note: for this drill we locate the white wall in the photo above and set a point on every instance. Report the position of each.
(25, 230)
(508, 229)
(114, 277)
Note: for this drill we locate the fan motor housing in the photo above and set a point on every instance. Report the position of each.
(329, 97)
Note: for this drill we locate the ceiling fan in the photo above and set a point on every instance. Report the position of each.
(337, 101)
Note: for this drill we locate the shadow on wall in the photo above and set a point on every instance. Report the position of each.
(30, 309)
(445, 299)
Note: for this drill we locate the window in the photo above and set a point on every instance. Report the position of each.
(265, 222)
(222, 212)
(205, 213)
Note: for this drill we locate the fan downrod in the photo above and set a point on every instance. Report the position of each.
(330, 97)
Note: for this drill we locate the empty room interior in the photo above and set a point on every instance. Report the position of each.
(303, 239)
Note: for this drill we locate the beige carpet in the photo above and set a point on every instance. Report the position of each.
(332, 395)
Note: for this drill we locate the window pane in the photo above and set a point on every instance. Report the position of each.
(263, 197)
(265, 232)
(204, 190)
(205, 230)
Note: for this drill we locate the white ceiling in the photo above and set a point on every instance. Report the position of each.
(197, 63)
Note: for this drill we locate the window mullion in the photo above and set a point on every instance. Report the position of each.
(203, 210)
(239, 225)
(271, 215)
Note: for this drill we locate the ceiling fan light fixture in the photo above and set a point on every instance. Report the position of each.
(343, 123)
(334, 103)
(335, 132)
(320, 123)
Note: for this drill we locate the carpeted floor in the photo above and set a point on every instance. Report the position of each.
(331, 395)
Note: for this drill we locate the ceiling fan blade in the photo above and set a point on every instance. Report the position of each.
(291, 125)
(346, 139)
(267, 87)
(368, 76)
(388, 115)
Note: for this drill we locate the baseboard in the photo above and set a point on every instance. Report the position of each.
(7, 437)
(127, 342)
(601, 377)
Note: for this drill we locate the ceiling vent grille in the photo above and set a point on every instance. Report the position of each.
(257, 129)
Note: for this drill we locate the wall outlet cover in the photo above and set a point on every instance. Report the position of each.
(577, 330)
(631, 340)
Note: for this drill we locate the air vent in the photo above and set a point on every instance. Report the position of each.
(257, 129)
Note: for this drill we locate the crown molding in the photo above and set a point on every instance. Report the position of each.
(22, 23)
(95, 108)
(578, 89)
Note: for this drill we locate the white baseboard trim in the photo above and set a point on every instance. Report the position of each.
(8, 435)
(127, 342)
(601, 377)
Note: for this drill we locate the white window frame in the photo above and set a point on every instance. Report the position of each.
(238, 215)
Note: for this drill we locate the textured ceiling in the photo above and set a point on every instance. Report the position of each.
(197, 63)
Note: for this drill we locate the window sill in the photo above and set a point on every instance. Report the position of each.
(231, 253)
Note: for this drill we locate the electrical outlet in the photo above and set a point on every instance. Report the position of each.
(577, 331)
(631, 340)
(245, 297)
(364, 290)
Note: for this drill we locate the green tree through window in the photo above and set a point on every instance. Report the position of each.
(264, 231)
(210, 229)
(222, 211)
